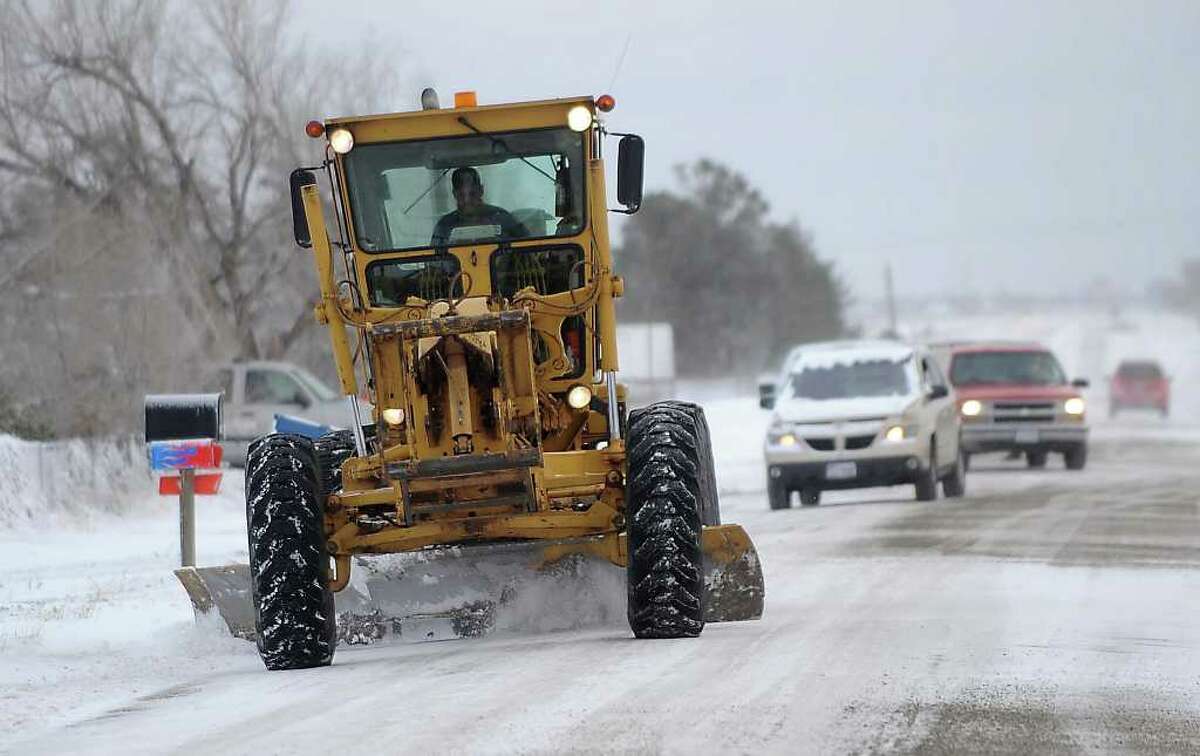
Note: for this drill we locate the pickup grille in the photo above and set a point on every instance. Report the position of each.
(1023, 412)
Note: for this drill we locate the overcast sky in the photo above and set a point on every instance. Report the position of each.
(977, 145)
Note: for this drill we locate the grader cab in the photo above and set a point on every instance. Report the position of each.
(469, 292)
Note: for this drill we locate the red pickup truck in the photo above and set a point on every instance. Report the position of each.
(1015, 397)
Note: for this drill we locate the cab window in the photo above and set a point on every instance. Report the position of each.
(393, 282)
(550, 270)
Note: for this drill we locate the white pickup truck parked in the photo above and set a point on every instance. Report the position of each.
(255, 392)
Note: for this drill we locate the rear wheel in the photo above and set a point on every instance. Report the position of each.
(293, 606)
(710, 503)
(927, 480)
(665, 571)
(810, 497)
(331, 450)
(954, 485)
(1076, 458)
(1035, 459)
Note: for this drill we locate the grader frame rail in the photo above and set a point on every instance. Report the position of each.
(486, 338)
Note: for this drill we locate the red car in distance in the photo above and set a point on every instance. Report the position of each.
(1139, 384)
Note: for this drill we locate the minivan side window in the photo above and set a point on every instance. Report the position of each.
(272, 387)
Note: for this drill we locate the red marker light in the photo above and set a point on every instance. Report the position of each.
(605, 103)
(314, 129)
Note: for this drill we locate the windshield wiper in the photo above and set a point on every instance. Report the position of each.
(421, 196)
(497, 142)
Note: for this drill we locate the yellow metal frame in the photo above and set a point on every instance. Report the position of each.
(575, 492)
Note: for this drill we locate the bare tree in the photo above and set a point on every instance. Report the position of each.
(144, 150)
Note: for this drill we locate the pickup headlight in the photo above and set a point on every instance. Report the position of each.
(1074, 406)
(971, 408)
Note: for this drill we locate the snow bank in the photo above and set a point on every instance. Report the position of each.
(60, 481)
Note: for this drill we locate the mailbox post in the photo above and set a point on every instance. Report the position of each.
(187, 518)
(181, 435)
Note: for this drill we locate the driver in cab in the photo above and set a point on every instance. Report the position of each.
(473, 211)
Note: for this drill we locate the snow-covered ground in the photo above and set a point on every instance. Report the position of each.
(886, 620)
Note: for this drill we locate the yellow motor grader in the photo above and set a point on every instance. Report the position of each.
(469, 293)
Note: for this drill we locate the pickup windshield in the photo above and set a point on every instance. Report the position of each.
(487, 188)
(1021, 368)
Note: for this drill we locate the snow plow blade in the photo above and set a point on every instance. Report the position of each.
(468, 591)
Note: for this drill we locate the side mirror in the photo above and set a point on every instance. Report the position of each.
(631, 153)
(938, 391)
(302, 400)
(1081, 383)
(766, 395)
(299, 179)
(564, 204)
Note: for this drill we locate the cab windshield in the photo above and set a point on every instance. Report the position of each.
(488, 188)
(1021, 368)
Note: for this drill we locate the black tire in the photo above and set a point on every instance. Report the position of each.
(710, 503)
(331, 450)
(778, 496)
(1036, 459)
(1076, 458)
(294, 616)
(810, 497)
(665, 572)
(954, 485)
(927, 480)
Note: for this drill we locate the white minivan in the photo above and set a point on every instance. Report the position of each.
(858, 414)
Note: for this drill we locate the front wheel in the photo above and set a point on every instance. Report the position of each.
(778, 496)
(954, 485)
(289, 582)
(927, 480)
(665, 571)
(1035, 459)
(1076, 458)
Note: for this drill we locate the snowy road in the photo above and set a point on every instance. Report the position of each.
(1047, 612)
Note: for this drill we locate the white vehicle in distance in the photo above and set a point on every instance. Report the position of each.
(858, 414)
(256, 391)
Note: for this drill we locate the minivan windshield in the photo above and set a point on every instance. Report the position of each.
(867, 378)
(1033, 368)
(487, 188)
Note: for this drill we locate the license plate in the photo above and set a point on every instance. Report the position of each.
(1027, 436)
(841, 470)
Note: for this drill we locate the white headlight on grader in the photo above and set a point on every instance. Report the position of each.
(470, 292)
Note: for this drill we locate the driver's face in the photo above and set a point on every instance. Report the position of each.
(469, 195)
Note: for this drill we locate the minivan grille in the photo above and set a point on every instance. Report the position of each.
(859, 442)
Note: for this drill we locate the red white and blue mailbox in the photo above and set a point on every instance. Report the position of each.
(182, 431)
(186, 454)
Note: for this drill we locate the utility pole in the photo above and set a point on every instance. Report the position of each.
(890, 293)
